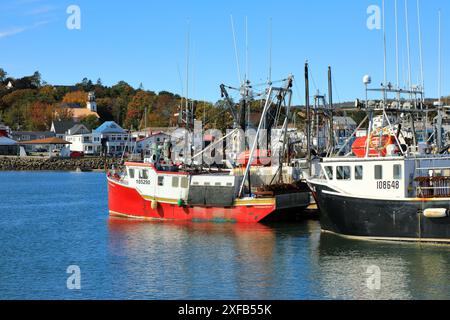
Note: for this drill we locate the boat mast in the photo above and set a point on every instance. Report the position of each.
(385, 54)
(255, 143)
(330, 103)
(281, 99)
(439, 117)
(367, 80)
(408, 46)
(308, 118)
(422, 79)
(187, 75)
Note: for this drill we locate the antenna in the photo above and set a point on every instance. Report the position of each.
(408, 44)
(270, 53)
(235, 50)
(396, 45)
(187, 72)
(182, 91)
(247, 76)
(193, 62)
(385, 55)
(422, 80)
(440, 62)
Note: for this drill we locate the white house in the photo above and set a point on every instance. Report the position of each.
(115, 139)
(157, 138)
(110, 135)
(89, 143)
(68, 128)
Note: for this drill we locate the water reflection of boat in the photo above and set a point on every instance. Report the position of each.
(203, 260)
(408, 271)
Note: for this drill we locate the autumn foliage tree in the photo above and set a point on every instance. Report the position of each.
(77, 97)
(41, 116)
(136, 108)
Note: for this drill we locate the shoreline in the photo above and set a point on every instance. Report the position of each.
(88, 164)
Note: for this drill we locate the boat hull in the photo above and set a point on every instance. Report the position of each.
(379, 219)
(127, 202)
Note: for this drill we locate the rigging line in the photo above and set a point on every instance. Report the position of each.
(422, 79)
(297, 91)
(247, 75)
(408, 45)
(236, 50)
(384, 46)
(335, 88)
(270, 54)
(187, 63)
(216, 117)
(312, 78)
(181, 81)
(193, 70)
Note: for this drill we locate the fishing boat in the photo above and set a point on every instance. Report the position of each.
(389, 187)
(395, 183)
(163, 189)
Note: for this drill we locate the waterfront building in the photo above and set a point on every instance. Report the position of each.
(55, 147)
(64, 128)
(88, 143)
(78, 129)
(145, 133)
(113, 138)
(157, 138)
(60, 127)
(24, 136)
(8, 147)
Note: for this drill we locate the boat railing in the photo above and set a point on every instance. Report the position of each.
(117, 176)
(433, 182)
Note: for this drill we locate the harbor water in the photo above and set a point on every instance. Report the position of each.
(50, 221)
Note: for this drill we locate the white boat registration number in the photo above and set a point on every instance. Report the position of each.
(388, 185)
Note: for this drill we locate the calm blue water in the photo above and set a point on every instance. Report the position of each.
(49, 221)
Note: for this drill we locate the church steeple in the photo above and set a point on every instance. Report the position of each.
(91, 103)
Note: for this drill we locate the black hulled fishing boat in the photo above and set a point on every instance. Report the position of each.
(395, 184)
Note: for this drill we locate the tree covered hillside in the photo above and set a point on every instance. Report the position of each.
(30, 104)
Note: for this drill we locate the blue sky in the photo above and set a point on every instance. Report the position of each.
(144, 41)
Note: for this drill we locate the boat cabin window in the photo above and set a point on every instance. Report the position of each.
(161, 181)
(184, 182)
(175, 182)
(330, 172)
(343, 173)
(398, 172)
(359, 170)
(378, 173)
(131, 173)
(143, 174)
